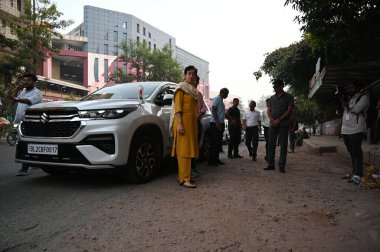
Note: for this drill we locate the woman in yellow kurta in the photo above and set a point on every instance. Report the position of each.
(184, 126)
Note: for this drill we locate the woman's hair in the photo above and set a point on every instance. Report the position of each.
(188, 68)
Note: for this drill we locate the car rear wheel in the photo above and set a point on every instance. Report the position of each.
(144, 159)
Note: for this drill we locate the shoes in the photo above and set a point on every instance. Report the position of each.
(269, 167)
(357, 180)
(254, 159)
(230, 157)
(187, 184)
(22, 173)
(238, 156)
(220, 162)
(266, 158)
(250, 154)
(282, 169)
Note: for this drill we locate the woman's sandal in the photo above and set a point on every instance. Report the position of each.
(188, 184)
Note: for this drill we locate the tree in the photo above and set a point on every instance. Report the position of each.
(35, 30)
(343, 31)
(295, 65)
(144, 64)
(39, 25)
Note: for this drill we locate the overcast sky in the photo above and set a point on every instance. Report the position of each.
(232, 36)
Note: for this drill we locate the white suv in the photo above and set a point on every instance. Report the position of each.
(114, 127)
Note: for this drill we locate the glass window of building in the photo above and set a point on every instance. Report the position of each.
(138, 28)
(105, 70)
(144, 31)
(150, 45)
(96, 69)
(150, 36)
(125, 25)
(115, 36)
(154, 46)
(170, 42)
(115, 66)
(106, 36)
(138, 39)
(19, 5)
(115, 50)
(125, 36)
(105, 49)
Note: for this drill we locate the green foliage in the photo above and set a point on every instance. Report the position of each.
(294, 64)
(343, 31)
(39, 25)
(35, 30)
(147, 65)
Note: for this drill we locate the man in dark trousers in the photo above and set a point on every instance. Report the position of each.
(217, 127)
(279, 110)
(234, 128)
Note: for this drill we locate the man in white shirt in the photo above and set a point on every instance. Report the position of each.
(28, 96)
(252, 125)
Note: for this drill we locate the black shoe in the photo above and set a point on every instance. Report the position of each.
(230, 156)
(266, 158)
(282, 169)
(238, 156)
(269, 167)
(220, 162)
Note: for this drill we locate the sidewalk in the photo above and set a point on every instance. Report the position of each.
(325, 144)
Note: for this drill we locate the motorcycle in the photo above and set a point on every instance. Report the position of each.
(12, 136)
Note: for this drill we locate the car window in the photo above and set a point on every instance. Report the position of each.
(165, 90)
(123, 91)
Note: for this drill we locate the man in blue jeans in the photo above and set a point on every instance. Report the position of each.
(280, 107)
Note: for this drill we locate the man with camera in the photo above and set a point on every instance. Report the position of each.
(354, 125)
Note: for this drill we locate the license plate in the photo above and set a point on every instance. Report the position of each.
(45, 149)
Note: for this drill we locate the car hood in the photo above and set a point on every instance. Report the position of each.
(86, 105)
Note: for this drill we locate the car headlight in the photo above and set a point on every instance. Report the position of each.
(105, 113)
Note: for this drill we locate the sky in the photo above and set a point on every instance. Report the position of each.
(233, 36)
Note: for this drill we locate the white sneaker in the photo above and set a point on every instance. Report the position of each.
(22, 173)
(290, 151)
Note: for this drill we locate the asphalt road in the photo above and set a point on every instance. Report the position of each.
(236, 207)
(46, 203)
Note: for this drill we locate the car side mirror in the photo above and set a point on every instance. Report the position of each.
(167, 100)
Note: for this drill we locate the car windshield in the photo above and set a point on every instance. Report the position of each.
(123, 91)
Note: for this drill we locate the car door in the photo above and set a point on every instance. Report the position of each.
(164, 100)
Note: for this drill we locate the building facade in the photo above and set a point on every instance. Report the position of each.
(89, 53)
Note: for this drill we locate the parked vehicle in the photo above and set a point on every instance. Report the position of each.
(122, 126)
(12, 135)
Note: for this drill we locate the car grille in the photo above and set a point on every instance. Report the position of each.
(49, 129)
(50, 123)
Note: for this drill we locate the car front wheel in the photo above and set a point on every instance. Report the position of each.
(144, 159)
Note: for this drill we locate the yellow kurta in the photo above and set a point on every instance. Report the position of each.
(185, 145)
